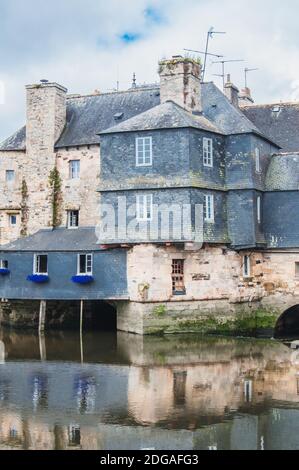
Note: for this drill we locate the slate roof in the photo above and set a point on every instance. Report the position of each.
(86, 116)
(218, 109)
(281, 125)
(59, 239)
(168, 115)
(283, 173)
(15, 142)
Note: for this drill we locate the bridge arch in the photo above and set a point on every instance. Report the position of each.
(287, 325)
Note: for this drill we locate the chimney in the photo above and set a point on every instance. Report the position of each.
(46, 116)
(231, 92)
(180, 82)
(245, 98)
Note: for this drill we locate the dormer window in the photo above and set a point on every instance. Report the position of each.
(208, 152)
(144, 154)
(73, 219)
(257, 160)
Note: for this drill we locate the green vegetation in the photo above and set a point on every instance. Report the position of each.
(55, 184)
(24, 209)
(160, 311)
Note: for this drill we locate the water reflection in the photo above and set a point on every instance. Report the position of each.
(132, 392)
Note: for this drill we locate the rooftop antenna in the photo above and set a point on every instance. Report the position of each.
(134, 80)
(205, 54)
(246, 70)
(210, 34)
(223, 62)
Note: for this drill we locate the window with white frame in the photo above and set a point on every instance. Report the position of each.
(74, 169)
(40, 264)
(257, 160)
(144, 152)
(85, 263)
(207, 152)
(13, 220)
(209, 208)
(10, 176)
(248, 390)
(73, 219)
(258, 209)
(246, 266)
(144, 207)
(3, 264)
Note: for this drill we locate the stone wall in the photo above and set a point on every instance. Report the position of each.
(81, 193)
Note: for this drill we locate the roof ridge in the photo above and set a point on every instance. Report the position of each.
(280, 103)
(130, 90)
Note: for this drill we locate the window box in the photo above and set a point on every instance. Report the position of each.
(4, 271)
(82, 279)
(38, 278)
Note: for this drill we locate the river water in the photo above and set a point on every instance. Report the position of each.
(119, 391)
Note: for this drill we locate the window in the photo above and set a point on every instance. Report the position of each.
(73, 219)
(297, 269)
(144, 207)
(258, 209)
(74, 435)
(40, 264)
(246, 266)
(257, 160)
(84, 264)
(209, 208)
(144, 155)
(207, 152)
(178, 286)
(248, 390)
(10, 176)
(74, 169)
(12, 220)
(3, 264)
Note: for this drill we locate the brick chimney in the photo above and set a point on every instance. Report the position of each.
(231, 92)
(180, 82)
(245, 98)
(46, 115)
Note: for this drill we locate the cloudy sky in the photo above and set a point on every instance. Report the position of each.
(92, 44)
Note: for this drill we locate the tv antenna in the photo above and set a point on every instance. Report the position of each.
(246, 71)
(205, 54)
(210, 34)
(223, 62)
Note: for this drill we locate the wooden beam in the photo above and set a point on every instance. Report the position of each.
(42, 316)
(81, 329)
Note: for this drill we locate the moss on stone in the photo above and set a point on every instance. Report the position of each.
(160, 311)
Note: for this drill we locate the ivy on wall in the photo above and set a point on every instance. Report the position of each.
(55, 184)
(24, 209)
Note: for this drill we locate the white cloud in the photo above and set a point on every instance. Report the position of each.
(77, 43)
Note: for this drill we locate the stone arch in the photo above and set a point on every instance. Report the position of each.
(287, 325)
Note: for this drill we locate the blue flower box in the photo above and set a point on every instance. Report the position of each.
(82, 279)
(4, 271)
(38, 278)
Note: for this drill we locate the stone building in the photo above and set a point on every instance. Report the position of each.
(182, 143)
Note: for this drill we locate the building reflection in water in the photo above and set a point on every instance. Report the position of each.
(172, 393)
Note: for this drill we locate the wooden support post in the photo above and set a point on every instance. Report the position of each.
(81, 330)
(42, 316)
